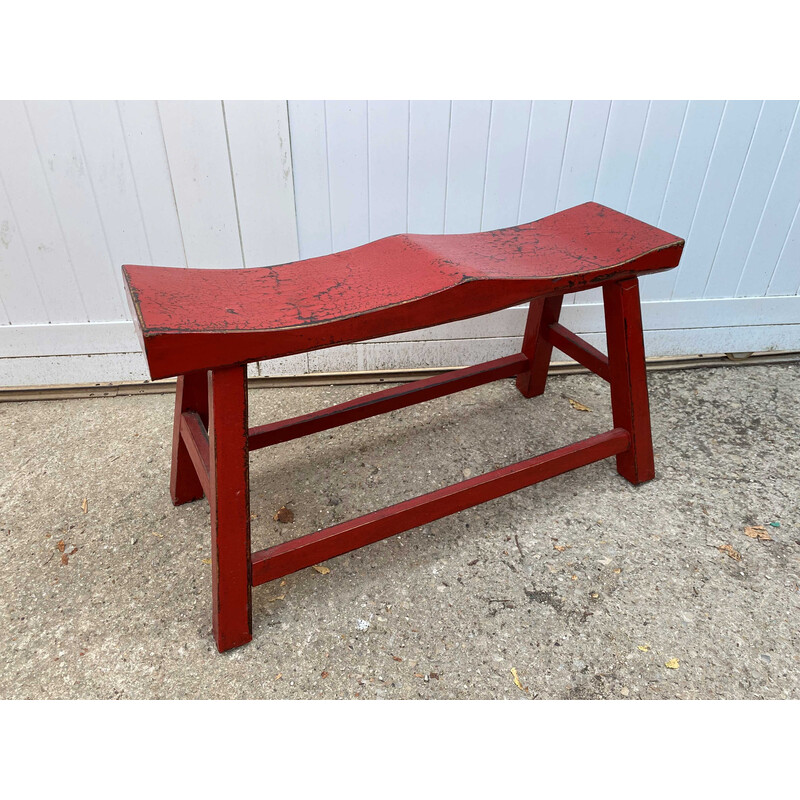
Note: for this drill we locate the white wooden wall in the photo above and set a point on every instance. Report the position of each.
(88, 186)
(726, 176)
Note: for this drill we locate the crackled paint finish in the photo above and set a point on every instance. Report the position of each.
(196, 319)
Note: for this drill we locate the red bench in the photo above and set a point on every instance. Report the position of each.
(206, 325)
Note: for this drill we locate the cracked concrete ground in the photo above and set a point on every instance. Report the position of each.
(584, 585)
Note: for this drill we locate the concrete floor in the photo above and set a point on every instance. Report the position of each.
(584, 585)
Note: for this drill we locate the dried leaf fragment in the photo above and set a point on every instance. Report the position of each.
(157, 535)
(516, 680)
(61, 546)
(65, 559)
(734, 554)
(397, 658)
(561, 547)
(757, 532)
(319, 568)
(206, 560)
(673, 663)
(578, 406)
(645, 648)
(85, 505)
(284, 515)
(325, 673)
(277, 597)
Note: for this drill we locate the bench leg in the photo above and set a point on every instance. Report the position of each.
(629, 402)
(543, 311)
(191, 394)
(230, 507)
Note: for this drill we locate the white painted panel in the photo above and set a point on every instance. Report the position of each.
(20, 297)
(258, 137)
(71, 338)
(109, 169)
(73, 369)
(197, 149)
(346, 124)
(345, 358)
(786, 279)
(757, 176)
(620, 154)
(38, 225)
(505, 161)
(310, 165)
(724, 170)
(697, 138)
(388, 167)
(773, 228)
(71, 187)
(438, 353)
(429, 127)
(466, 165)
(656, 155)
(545, 152)
(147, 155)
(288, 365)
(587, 130)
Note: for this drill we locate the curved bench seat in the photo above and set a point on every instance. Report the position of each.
(193, 319)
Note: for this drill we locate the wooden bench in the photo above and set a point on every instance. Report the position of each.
(206, 325)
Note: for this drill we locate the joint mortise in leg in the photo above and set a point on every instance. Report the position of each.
(542, 313)
(626, 357)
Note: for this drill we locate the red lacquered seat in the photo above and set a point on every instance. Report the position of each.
(194, 319)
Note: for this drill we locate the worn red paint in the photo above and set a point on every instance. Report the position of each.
(205, 325)
(231, 583)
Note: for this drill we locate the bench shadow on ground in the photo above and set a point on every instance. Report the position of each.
(337, 475)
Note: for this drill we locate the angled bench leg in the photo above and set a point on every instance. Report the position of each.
(191, 394)
(543, 311)
(629, 402)
(230, 507)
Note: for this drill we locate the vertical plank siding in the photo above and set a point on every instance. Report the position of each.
(87, 186)
(428, 149)
(261, 166)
